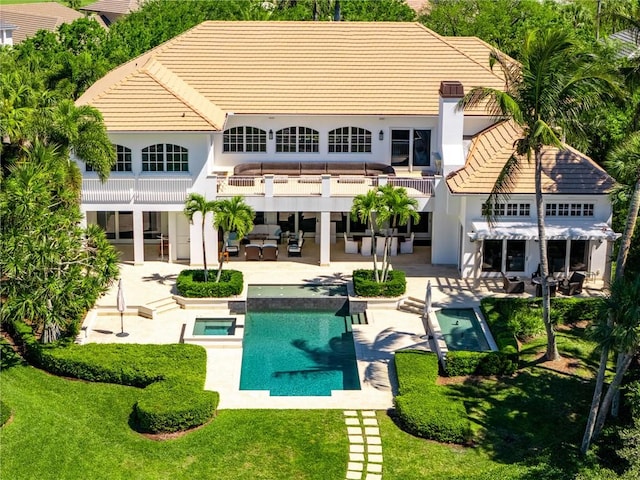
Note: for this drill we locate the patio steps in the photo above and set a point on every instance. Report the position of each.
(355, 319)
(412, 305)
(156, 307)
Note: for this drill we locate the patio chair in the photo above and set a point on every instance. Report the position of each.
(350, 246)
(573, 286)
(512, 284)
(269, 252)
(365, 248)
(295, 249)
(252, 252)
(407, 245)
(380, 246)
(393, 246)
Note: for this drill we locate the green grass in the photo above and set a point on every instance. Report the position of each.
(66, 429)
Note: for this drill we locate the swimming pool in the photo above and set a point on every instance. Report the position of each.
(214, 326)
(298, 353)
(462, 330)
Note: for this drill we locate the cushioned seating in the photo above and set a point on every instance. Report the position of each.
(252, 252)
(370, 169)
(407, 245)
(269, 252)
(512, 284)
(573, 286)
(350, 246)
(295, 249)
(365, 248)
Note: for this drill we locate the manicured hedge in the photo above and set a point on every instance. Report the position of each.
(365, 285)
(191, 284)
(5, 413)
(424, 408)
(480, 363)
(171, 376)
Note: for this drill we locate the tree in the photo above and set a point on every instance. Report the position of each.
(196, 203)
(544, 94)
(365, 207)
(397, 209)
(232, 215)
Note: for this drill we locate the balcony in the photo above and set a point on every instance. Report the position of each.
(136, 190)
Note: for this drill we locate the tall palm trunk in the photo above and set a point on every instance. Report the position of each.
(225, 240)
(373, 251)
(552, 347)
(204, 252)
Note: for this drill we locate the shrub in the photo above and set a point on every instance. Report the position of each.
(479, 363)
(365, 285)
(422, 407)
(172, 377)
(492, 309)
(571, 310)
(190, 283)
(5, 413)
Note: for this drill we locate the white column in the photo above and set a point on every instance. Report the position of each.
(383, 180)
(268, 185)
(211, 241)
(326, 185)
(173, 236)
(138, 238)
(195, 240)
(325, 239)
(477, 263)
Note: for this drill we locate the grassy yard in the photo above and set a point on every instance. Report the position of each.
(527, 427)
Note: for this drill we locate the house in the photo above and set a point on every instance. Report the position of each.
(299, 117)
(111, 10)
(27, 18)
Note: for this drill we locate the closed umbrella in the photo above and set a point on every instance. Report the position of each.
(121, 305)
(427, 300)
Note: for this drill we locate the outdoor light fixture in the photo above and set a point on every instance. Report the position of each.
(270, 134)
(381, 135)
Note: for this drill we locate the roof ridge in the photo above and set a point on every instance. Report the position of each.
(180, 89)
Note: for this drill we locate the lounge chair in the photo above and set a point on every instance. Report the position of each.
(295, 249)
(269, 252)
(252, 252)
(512, 284)
(573, 286)
(350, 246)
(407, 245)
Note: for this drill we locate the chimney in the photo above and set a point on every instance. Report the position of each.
(450, 127)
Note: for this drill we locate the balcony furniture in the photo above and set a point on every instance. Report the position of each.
(269, 252)
(265, 231)
(380, 246)
(407, 245)
(296, 169)
(393, 246)
(573, 286)
(252, 252)
(350, 246)
(365, 248)
(512, 284)
(552, 284)
(295, 249)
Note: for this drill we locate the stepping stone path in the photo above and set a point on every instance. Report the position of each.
(365, 445)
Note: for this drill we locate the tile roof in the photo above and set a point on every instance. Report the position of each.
(564, 171)
(122, 7)
(31, 17)
(359, 68)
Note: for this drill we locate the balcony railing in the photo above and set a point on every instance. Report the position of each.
(131, 190)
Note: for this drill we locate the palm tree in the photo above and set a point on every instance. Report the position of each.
(196, 203)
(398, 209)
(543, 95)
(624, 164)
(232, 215)
(365, 210)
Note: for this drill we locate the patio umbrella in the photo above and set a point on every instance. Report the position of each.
(121, 305)
(427, 300)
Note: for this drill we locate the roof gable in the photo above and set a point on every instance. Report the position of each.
(564, 171)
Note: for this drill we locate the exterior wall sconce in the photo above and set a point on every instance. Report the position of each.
(381, 135)
(270, 134)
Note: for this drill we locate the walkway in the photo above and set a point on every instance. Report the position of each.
(365, 445)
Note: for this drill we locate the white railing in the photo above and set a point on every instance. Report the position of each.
(297, 186)
(239, 185)
(129, 190)
(422, 185)
(162, 190)
(114, 190)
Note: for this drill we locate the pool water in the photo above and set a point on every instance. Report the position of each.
(296, 291)
(303, 353)
(214, 326)
(462, 330)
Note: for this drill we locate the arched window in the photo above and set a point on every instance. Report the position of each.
(297, 139)
(350, 139)
(165, 158)
(123, 159)
(244, 139)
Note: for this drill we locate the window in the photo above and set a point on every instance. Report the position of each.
(515, 255)
(492, 256)
(165, 158)
(297, 139)
(123, 160)
(244, 139)
(506, 209)
(350, 139)
(569, 209)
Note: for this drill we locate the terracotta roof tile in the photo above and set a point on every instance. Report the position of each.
(122, 7)
(564, 171)
(358, 68)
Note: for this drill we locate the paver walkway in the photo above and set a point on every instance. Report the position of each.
(365, 445)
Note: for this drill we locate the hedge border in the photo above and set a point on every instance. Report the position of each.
(364, 284)
(191, 284)
(423, 408)
(172, 397)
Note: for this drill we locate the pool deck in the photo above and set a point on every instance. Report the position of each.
(388, 330)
